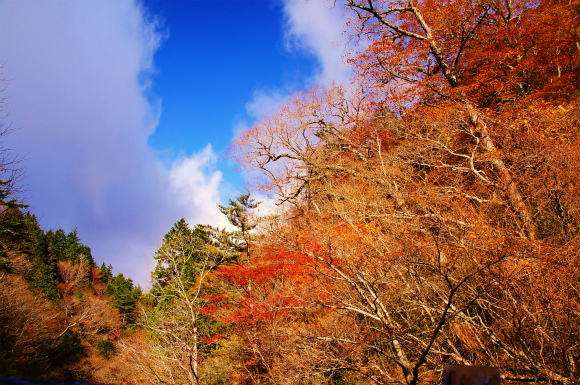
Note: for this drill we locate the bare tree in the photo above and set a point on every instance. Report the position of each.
(406, 230)
(10, 171)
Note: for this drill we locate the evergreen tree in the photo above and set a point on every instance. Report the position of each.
(180, 323)
(55, 242)
(106, 272)
(75, 251)
(125, 296)
(21, 234)
(45, 280)
(67, 247)
(238, 214)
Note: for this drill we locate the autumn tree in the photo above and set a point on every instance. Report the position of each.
(482, 60)
(484, 54)
(358, 213)
(49, 339)
(415, 201)
(489, 93)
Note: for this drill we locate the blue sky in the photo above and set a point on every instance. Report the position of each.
(124, 109)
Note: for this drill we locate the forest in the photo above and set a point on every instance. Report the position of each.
(427, 214)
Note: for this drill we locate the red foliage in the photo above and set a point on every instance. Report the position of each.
(491, 51)
(260, 284)
(212, 339)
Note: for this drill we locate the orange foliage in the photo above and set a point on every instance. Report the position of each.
(433, 212)
(491, 52)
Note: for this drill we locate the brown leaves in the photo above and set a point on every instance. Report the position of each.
(447, 231)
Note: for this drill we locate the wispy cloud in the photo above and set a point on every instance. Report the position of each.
(314, 28)
(317, 27)
(265, 101)
(195, 183)
(80, 95)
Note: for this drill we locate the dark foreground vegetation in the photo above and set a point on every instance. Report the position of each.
(429, 215)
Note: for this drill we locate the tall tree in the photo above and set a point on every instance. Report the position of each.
(486, 53)
(180, 327)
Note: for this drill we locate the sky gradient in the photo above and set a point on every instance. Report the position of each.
(124, 109)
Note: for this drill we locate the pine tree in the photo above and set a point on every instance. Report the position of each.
(106, 272)
(180, 323)
(125, 296)
(238, 214)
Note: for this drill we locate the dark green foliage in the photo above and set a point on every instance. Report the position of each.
(45, 280)
(68, 247)
(6, 189)
(21, 234)
(12, 226)
(106, 348)
(46, 249)
(229, 242)
(34, 241)
(238, 214)
(162, 276)
(69, 349)
(187, 251)
(55, 241)
(180, 297)
(106, 273)
(75, 251)
(125, 296)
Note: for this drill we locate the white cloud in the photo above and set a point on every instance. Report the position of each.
(195, 184)
(265, 101)
(240, 125)
(81, 73)
(317, 26)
